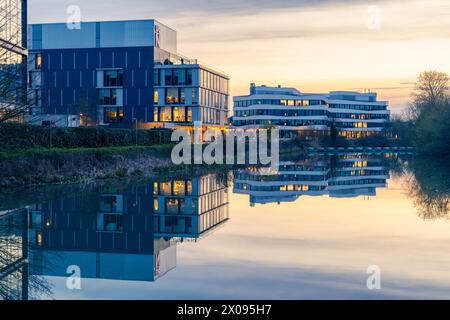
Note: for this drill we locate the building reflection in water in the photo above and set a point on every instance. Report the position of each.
(342, 176)
(130, 234)
(13, 255)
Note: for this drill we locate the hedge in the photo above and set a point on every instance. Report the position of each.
(20, 137)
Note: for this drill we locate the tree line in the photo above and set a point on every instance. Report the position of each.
(426, 122)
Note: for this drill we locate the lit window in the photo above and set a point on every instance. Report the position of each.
(172, 206)
(156, 97)
(38, 64)
(39, 239)
(179, 114)
(189, 187)
(166, 188)
(178, 188)
(155, 204)
(113, 115)
(172, 96)
(165, 114)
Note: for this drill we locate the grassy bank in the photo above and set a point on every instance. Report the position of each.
(44, 166)
(163, 149)
(36, 155)
(39, 166)
(15, 196)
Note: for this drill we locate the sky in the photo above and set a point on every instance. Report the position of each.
(314, 46)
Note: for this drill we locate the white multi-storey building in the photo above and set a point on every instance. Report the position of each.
(352, 114)
(351, 175)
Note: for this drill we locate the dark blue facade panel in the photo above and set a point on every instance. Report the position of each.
(74, 225)
(70, 80)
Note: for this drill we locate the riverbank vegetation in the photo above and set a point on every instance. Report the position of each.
(25, 137)
(35, 155)
(426, 124)
(58, 166)
(429, 187)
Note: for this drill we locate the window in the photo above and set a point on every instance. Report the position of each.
(113, 115)
(189, 115)
(38, 62)
(179, 76)
(182, 96)
(189, 77)
(179, 114)
(172, 96)
(155, 115)
(157, 77)
(194, 96)
(113, 78)
(107, 97)
(39, 238)
(189, 187)
(179, 188)
(156, 97)
(166, 188)
(172, 206)
(165, 115)
(168, 79)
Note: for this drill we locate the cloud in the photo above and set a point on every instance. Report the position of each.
(298, 43)
(169, 8)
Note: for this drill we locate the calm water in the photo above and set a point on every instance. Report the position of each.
(308, 232)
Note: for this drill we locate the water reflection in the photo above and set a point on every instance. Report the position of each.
(134, 232)
(128, 234)
(429, 186)
(339, 176)
(16, 282)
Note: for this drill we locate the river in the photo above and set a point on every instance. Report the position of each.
(349, 226)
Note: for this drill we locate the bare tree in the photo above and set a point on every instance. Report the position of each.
(86, 107)
(431, 90)
(15, 263)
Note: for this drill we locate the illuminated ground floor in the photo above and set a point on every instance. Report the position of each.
(360, 134)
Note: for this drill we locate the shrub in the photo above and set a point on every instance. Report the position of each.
(16, 137)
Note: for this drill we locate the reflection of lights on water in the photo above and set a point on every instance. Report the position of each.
(39, 239)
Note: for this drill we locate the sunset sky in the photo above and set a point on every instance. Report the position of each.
(315, 46)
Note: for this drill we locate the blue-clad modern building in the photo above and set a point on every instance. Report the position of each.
(125, 234)
(118, 73)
